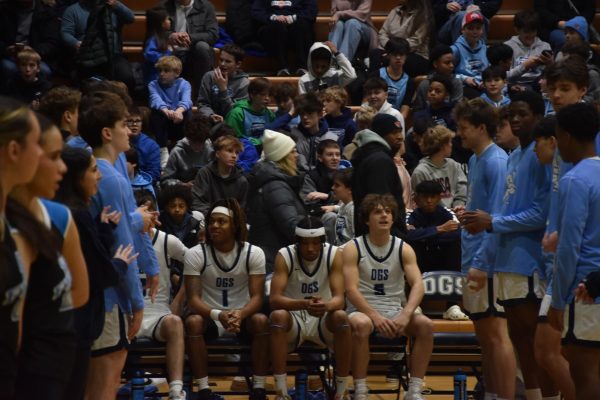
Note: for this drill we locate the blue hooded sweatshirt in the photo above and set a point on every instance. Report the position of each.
(469, 62)
(345, 122)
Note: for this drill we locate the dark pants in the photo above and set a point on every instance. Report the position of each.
(119, 69)
(164, 130)
(278, 38)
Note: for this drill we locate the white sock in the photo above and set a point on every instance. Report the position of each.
(258, 382)
(489, 396)
(557, 397)
(415, 385)
(202, 383)
(175, 388)
(533, 394)
(341, 383)
(360, 386)
(281, 383)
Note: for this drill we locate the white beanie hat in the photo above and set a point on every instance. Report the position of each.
(276, 145)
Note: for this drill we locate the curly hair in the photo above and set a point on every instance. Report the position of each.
(240, 230)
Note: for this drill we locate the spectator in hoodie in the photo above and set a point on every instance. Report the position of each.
(221, 178)
(61, 105)
(352, 27)
(401, 87)
(576, 34)
(530, 53)
(449, 15)
(284, 95)
(439, 107)
(146, 147)
(250, 117)
(170, 101)
(176, 216)
(28, 85)
(442, 61)
(494, 83)
(433, 231)
(337, 115)
(322, 72)
(469, 52)
(376, 93)
(284, 26)
(554, 15)
(189, 154)
(223, 86)
(374, 167)
(413, 21)
(311, 130)
(438, 167)
(363, 118)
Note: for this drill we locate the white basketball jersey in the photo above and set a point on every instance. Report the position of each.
(308, 279)
(381, 274)
(225, 276)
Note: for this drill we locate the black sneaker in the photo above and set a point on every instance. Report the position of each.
(207, 394)
(258, 394)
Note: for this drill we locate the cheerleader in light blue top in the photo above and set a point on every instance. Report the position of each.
(578, 249)
(477, 125)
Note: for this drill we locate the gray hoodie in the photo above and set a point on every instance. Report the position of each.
(211, 100)
(341, 76)
(450, 175)
(184, 162)
(518, 74)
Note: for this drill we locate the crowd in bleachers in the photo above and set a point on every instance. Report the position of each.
(483, 157)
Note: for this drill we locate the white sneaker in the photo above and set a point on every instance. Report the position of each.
(282, 397)
(361, 396)
(454, 313)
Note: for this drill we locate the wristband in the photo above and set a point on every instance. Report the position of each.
(214, 314)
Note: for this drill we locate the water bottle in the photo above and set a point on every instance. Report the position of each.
(460, 385)
(300, 392)
(137, 386)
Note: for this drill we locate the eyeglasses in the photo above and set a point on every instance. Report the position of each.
(134, 122)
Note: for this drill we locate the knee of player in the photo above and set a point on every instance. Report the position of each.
(194, 324)
(361, 326)
(339, 318)
(259, 322)
(278, 318)
(423, 326)
(173, 324)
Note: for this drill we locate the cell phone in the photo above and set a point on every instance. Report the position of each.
(547, 53)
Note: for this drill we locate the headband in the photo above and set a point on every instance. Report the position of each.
(222, 210)
(309, 233)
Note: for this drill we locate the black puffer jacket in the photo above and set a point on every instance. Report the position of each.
(275, 208)
(209, 187)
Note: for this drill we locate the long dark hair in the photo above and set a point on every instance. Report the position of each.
(423, 16)
(70, 192)
(240, 231)
(154, 20)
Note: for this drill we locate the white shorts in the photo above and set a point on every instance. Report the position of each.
(544, 307)
(390, 314)
(483, 303)
(151, 323)
(582, 324)
(306, 328)
(514, 289)
(114, 334)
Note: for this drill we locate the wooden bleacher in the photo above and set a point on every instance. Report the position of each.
(501, 26)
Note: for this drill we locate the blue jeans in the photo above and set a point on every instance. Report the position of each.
(348, 35)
